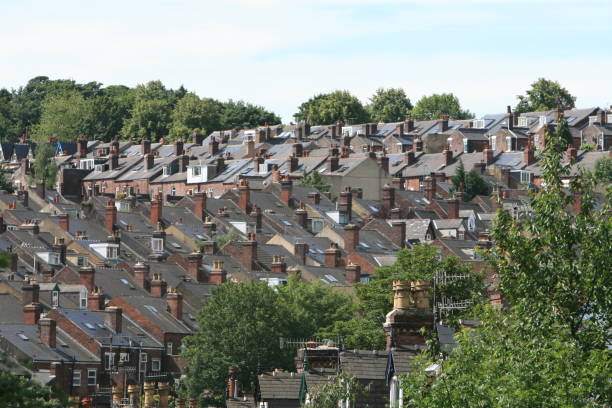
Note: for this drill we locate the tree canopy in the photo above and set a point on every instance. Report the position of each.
(324, 109)
(389, 105)
(433, 106)
(471, 183)
(549, 346)
(45, 168)
(544, 95)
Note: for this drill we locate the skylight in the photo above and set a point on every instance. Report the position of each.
(151, 308)
(287, 223)
(331, 278)
(124, 281)
(23, 336)
(89, 326)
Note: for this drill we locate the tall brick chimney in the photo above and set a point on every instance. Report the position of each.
(409, 158)
(82, 146)
(199, 207)
(87, 277)
(443, 124)
(197, 138)
(156, 209)
(488, 155)
(447, 156)
(141, 275)
(388, 198)
(345, 202)
(145, 147)
(194, 266)
(95, 300)
(31, 313)
(332, 256)
(175, 303)
(286, 190)
(528, 154)
(48, 332)
(301, 217)
(149, 161)
(113, 161)
(408, 124)
(30, 292)
(209, 247)
(114, 318)
(352, 273)
(249, 251)
(250, 148)
(209, 227)
(300, 250)
(452, 208)
(383, 161)
(417, 145)
(351, 237)
(59, 247)
(64, 222)
(218, 275)
(256, 217)
(278, 264)
(430, 188)
(314, 198)
(297, 149)
(399, 233)
(333, 163)
(158, 286)
(110, 215)
(178, 148)
(245, 196)
(213, 146)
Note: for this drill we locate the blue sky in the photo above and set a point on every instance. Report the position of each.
(279, 53)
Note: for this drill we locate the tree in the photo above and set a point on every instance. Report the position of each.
(315, 180)
(471, 183)
(544, 95)
(150, 113)
(329, 108)
(110, 110)
(343, 387)
(6, 119)
(66, 117)
(239, 114)
(564, 133)
(5, 184)
(191, 113)
(603, 170)
(389, 105)
(45, 168)
(313, 307)
(239, 325)
(549, 347)
(432, 107)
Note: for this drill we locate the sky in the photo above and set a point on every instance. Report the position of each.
(279, 53)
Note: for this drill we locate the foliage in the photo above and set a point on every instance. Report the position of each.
(45, 168)
(549, 348)
(240, 114)
(431, 107)
(65, 117)
(313, 307)
(603, 170)
(544, 95)
(471, 183)
(563, 132)
(389, 105)
(223, 239)
(5, 184)
(192, 113)
(588, 147)
(376, 297)
(20, 392)
(150, 114)
(343, 387)
(329, 108)
(315, 180)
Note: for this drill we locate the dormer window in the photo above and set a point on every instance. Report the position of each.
(55, 298)
(493, 142)
(465, 145)
(112, 252)
(197, 170)
(54, 258)
(523, 121)
(157, 244)
(508, 143)
(83, 299)
(167, 170)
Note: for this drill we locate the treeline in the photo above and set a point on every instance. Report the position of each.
(66, 109)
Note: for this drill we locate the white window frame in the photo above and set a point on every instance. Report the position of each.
(76, 378)
(55, 298)
(83, 300)
(109, 360)
(142, 363)
(54, 258)
(169, 348)
(197, 171)
(157, 244)
(92, 376)
(494, 142)
(508, 143)
(112, 252)
(156, 364)
(81, 260)
(465, 145)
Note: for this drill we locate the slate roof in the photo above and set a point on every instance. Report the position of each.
(156, 311)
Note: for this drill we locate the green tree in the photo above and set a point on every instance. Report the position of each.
(110, 110)
(549, 348)
(603, 170)
(5, 184)
(471, 183)
(544, 95)
(239, 114)
(328, 108)
(191, 113)
(313, 307)
(315, 180)
(6, 118)
(389, 105)
(343, 387)
(431, 107)
(240, 325)
(65, 116)
(564, 133)
(45, 168)
(150, 113)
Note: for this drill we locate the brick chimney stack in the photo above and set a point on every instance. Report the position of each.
(197, 138)
(352, 273)
(64, 222)
(409, 158)
(82, 146)
(528, 154)
(175, 303)
(30, 292)
(443, 124)
(300, 250)
(298, 149)
(245, 196)
(351, 237)
(510, 118)
(301, 217)
(158, 286)
(314, 198)
(48, 332)
(149, 161)
(209, 227)
(145, 147)
(141, 275)
(113, 161)
(430, 188)
(249, 251)
(59, 247)
(218, 275)
(156, 209)
(408, 124)
(114, 318)
(333, 163)
(332, 256)
(286, 190)
(417, 145)
(209, 247)
(199, 206)
(256, 217)
(399, 233)
(87, 277)
(278, 264)
(178, 148)
(388, 198)
(345, 202)
(250, 148)
(452, 208)
(194, 266)
(213, 146)
(447, 156)
(383, 161)
(110, 215)
(31, 313)
(95, 300)
(488, 155)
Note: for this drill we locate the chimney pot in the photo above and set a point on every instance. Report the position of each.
(113, 318)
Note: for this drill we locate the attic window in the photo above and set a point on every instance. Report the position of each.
(90, 326)
(151, 308)
(124, 281)
(331, 278)
(287, 223)
(364, 245)
(23, 336)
